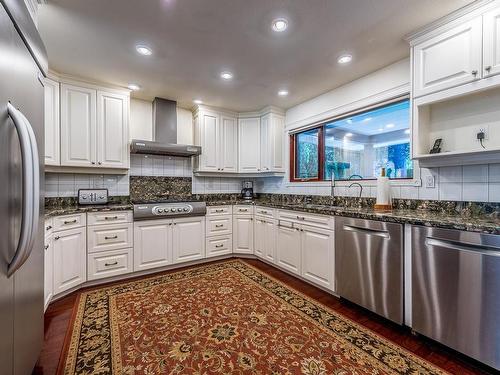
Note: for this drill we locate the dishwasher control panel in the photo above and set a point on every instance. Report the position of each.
(92, 196)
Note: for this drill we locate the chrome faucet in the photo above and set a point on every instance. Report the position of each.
(360, 188)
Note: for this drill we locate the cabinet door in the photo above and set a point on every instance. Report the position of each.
(270, 241)
(228, 144)
(318, 256)
(51, 121)
(288, 247)
(152, 244)
(249, 145)
(260, 238)
(265, 143)
(243, 234)
(188, 239)
(277, 156)
(112, 130)
(208, 125)
(78, 126)
(48, 284)
(449, 59)
(70, 247)
(491, 43)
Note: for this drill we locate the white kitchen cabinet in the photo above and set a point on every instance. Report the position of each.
(243, 234)
(249, 143)
(51, 122)
(272, 128)
(112, 130)
(152, 244)
(70, 247)
(94, 127)
(217, 134)
(48, 284)
(109, 263)
(78, 126)
(318, 256)
(491, 43)
(264, 239)
(219, 245)
(288, 246)
(449, 59)
(188, 239)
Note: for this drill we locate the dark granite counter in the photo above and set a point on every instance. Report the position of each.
(67, 210)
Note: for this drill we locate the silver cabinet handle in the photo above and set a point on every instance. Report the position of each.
(461, 246)
(218, 246)
(99, 163)
(368, 231)
(46, 247)
(56, 237)
(111, 264)
(219, 225)
(70, 221)
(488, 68)
(110, 217)
(219, 210)
(30, 189)
(474, 73)
(92, 162)
(243, 210)
(111, 237)
(48, 227)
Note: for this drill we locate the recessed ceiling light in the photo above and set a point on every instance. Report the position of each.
(348, 134)
(143, 50)
(407, 131)
(389, 126)
(283, 92)
(198, 101)
(279, 25)
(134, 86)
(226, 75)
(344, 59)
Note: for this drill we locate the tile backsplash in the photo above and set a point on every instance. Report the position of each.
(67, 184)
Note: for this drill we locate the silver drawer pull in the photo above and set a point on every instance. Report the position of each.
(243, 210)
(110, 217)
(111, 237)
(46, 247)
(219, 210)
(111, 264)
(70, 221)
(219, 225)
(48, 227)
(56, 237)
(220, 245)
(368, 231)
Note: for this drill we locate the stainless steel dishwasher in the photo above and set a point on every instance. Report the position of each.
(369, 265)
(456, 290)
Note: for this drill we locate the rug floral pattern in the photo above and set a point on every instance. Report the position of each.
(224, 318)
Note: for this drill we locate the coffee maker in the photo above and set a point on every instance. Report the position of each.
(247, 191)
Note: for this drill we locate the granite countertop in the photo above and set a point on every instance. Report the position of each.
(72, 209)
(480, 223)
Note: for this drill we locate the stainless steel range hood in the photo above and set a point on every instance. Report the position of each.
(165, 133)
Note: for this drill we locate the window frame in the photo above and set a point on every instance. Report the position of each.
(292, 136)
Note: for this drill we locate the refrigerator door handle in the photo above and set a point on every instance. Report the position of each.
(26, 235)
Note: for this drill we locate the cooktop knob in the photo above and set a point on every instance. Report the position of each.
(179, 209)
(185, 209)
(172, 209)
(159, 210)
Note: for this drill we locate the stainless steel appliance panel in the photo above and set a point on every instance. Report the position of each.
(21, 288)
(456, 290)
(369, 265)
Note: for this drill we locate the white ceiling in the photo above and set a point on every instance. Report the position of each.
(194, 40)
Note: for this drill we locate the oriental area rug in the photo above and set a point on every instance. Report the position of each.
(223, 318)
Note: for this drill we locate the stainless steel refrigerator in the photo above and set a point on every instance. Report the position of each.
(23, 64)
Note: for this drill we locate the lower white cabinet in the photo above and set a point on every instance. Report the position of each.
(288, 246)
(70, 248)
(188, 239)
(219, 245)
(243, 234)
(48, 280)
(152, 244)
(109, 263)
(318, 256)
(265, 239)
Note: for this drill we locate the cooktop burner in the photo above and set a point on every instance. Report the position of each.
(165, 210)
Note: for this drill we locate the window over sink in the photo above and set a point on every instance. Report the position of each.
(355, 146)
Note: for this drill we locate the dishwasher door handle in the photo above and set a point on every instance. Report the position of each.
(455, 245)
(368, 231)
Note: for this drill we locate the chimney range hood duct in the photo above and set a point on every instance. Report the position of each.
(165, 133)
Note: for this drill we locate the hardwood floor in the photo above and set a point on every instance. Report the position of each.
(58, 317)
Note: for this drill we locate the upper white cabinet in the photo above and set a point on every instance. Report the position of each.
(51, 121)
(249, 145)
(449, 59)
(217, 134)
(491, 42)
(272, 131)
(92, 131)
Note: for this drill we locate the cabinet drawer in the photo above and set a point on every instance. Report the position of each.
(219, 225)
(264, 211)
(319, 221)
(109, 237)
(68, 222)
(109, 217)
(219, 245)
(218, 210)
(49, 226)
(109, 263)
(243, 210)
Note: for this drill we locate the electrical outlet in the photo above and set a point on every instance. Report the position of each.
(430, 182)
(481, 129)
